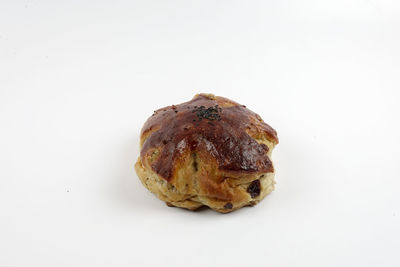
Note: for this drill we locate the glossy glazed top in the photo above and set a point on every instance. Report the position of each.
(210, 126)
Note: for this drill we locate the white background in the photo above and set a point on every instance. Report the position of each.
(79, 78)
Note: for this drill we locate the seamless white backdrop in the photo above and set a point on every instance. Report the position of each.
(79, 78)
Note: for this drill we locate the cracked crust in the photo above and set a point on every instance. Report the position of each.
(209, 151)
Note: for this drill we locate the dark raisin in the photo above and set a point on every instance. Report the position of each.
(195, 162)
(254, 188)
(164, 142)
(228, 206)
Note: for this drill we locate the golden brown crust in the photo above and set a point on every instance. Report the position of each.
(208, 151)
(225, 138)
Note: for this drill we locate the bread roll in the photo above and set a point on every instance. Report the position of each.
(210, 151)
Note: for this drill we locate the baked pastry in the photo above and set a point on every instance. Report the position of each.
(210, 151)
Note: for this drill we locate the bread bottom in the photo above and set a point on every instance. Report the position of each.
(191, 194)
